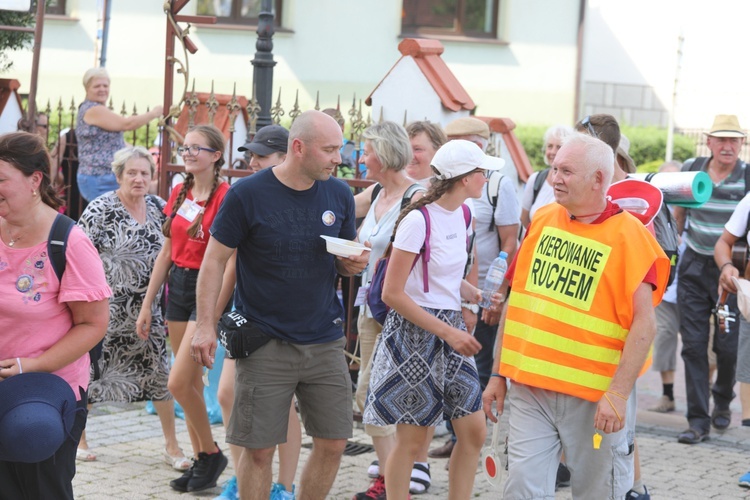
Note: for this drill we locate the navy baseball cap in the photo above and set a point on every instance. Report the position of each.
(270, 139)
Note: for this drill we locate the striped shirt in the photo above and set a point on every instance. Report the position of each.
(705, 224)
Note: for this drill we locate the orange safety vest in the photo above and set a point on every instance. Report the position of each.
(572, 301)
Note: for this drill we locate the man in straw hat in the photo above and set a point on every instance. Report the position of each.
(699, 277)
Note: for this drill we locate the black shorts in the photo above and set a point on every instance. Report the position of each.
(181, 294)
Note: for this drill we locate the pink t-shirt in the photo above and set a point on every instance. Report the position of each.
(33, 313)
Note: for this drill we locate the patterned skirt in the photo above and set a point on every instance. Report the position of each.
(416, 378)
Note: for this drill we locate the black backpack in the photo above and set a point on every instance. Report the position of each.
(539, 182)
(57, 244)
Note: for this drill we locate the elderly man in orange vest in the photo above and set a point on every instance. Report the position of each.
(576, 333)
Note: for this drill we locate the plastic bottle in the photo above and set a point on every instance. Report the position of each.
(494, 279)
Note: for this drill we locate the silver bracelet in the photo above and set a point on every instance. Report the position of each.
(20, 368)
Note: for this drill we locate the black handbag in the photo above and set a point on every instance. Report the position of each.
(239, 336)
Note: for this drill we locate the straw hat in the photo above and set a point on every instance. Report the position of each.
(726, 126)
(467, 125)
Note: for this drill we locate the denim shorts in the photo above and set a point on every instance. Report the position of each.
(93, 186)
(181, 294)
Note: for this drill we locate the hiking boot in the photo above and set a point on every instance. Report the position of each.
(563, 476)
(181, 483)
(665, 405)
(207, 470)
(376, 491)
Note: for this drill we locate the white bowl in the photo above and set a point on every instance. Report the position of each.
(343, 248)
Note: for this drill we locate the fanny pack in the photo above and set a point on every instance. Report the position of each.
(239, 336)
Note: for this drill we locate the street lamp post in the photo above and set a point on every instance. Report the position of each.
(263, 64)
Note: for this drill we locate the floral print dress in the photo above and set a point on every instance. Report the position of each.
(131, 369)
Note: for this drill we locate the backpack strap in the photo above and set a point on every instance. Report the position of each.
(409, 194)
(425, 251)
(57, 243)
(493, 192)
(375, 192)
(541, 177)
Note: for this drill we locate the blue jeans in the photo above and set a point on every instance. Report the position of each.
(93, 186)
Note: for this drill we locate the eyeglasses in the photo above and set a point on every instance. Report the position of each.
(586, 122)
(194, 150)
(485, 173)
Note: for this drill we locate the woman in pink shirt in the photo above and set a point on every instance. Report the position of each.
(46, 325)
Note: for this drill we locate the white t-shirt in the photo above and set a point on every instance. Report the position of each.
(545, 197)
(737, 223)
(447, 256)
(507, 212)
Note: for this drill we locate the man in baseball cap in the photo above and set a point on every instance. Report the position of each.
(270, 139)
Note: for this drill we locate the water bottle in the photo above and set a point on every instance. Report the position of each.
(494, 279)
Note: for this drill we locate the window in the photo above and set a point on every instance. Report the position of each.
(470, 18)
(237, 11)
(56, 7)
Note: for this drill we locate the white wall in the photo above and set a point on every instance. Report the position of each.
(336, 47)
(635, 42)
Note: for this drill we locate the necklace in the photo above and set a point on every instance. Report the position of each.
(13, 240)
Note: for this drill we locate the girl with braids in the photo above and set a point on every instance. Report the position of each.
(190, 211)
(423, 369)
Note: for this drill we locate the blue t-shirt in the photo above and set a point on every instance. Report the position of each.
(285, 277)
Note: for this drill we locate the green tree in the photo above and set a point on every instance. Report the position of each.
(14, 40)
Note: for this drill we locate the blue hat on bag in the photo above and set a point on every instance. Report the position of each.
(37, 411)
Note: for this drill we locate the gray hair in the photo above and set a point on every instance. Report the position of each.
(597, 156)
(94, 73)
(131, 153)
(559, 132)
(391, 144)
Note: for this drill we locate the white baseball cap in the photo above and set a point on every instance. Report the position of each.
(459, 157)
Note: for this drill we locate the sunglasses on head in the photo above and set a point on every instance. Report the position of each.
(586, 122)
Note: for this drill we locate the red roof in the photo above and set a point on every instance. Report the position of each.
(426, 53)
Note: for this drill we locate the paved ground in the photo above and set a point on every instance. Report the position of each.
(128, 443)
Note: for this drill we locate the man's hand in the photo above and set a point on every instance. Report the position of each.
(470, 319)
(495, 391)
(610, 413)
(725, 279)
(203, 346)
(349, 266)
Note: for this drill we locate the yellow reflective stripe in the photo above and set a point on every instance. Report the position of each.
(584, 321)
(543, 338)
(543, 368)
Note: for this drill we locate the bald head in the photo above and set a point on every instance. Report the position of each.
(312, 125)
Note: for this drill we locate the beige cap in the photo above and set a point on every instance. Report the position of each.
(468, 125)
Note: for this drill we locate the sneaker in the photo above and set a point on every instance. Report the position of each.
(563, 476)
(230, 491)
(376, 491)
(665, 405)
(279, 492)
(207, 470)
(745, 480)
(181, 483)
(373, 471)
(634, 495)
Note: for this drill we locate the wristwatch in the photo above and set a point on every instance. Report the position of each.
(471, 307)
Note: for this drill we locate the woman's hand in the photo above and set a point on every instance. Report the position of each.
(463, 343)
(11, 367)
(470, 293)
(143, 323)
